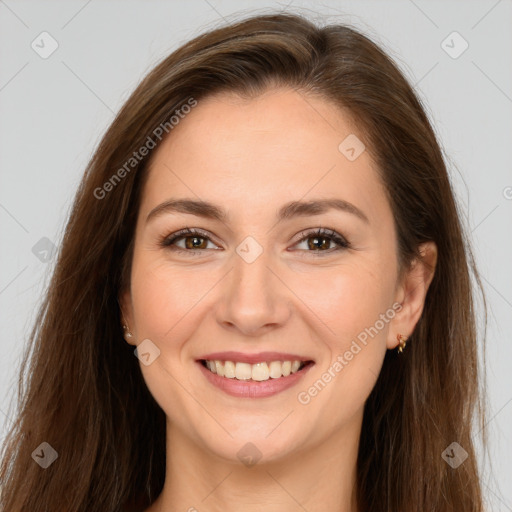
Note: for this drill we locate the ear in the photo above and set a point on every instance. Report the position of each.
(126, 313)
(411, 293)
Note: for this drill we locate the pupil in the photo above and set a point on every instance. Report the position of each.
(315, 240)
(192, 242)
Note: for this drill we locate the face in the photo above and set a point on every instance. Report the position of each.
(260, 285)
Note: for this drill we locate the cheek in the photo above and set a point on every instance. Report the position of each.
(163, 296)
(356, 306)
(361, 299)
(348, 298)
(165, 302)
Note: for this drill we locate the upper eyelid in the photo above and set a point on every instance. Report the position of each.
(185, 232)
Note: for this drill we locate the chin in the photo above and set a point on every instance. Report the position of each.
(260, 441)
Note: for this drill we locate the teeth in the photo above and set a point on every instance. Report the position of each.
(258, 372)
(275, 369)
(242, 370)
(229, 370)
(220, 368)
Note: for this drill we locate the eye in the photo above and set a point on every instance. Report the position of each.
(193, 239)
(196, 241)
(321, 239)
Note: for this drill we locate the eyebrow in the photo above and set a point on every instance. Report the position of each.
(287, 211)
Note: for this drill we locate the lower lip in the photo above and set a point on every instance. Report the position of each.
(251, 388)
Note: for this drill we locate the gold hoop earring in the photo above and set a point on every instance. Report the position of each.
(402, 340)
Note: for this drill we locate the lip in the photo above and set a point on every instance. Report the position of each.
(254, 389)
(260, 357)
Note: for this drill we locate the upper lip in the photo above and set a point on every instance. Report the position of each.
(241, 357)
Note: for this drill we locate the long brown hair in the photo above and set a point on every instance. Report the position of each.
(81, 389)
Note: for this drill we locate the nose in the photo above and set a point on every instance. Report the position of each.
(254, 299)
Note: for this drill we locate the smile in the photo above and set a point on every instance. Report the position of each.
(257, 372)
(258, 375)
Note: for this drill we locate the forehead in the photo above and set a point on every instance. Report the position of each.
(255, 153)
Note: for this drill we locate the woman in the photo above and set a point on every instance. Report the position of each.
(269, 227)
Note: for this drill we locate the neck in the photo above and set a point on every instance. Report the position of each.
(318, 479)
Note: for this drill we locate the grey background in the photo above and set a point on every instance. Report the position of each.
(54, 111)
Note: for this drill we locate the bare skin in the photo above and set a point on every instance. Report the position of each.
(250, 157)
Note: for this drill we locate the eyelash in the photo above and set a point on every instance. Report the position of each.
(168, 241)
